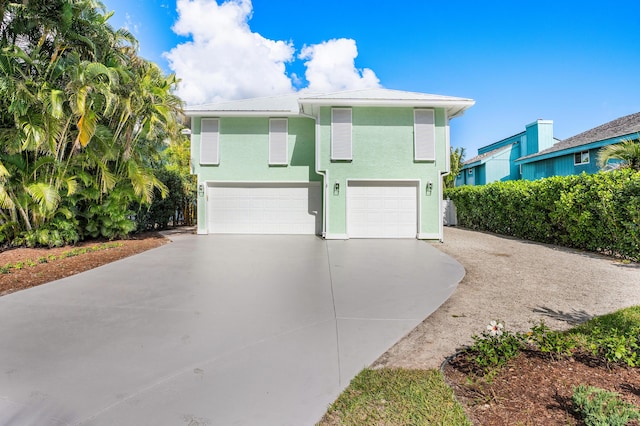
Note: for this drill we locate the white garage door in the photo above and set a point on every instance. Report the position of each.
(264, 208)
(382, 209)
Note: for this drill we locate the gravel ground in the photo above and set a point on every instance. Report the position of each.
(519, 283)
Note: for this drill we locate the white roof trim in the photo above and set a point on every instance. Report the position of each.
(298, 104)
(239, 113)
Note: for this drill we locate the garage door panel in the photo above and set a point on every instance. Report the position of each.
(264, 208)
(382, 209)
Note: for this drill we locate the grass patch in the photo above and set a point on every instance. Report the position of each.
(396, 397)
(625, 321)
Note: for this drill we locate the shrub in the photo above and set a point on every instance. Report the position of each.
(597, 212)
(551, 342)
(615, 337)
(161, 210)
(599, 407)
(493, 348)
(615, 347)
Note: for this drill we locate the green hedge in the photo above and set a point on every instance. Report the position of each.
(598, 212)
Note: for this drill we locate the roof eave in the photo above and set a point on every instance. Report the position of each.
(455, 108)
(572, 150)
(222, 113)
(464, 103)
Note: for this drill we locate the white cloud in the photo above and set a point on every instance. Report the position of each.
(129, 25)
(226, 60)
(331, 67)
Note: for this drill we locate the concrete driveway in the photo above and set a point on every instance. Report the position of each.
(208, 330)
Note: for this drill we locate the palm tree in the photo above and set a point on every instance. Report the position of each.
(457, 158)
(82, 117)
(626, 152)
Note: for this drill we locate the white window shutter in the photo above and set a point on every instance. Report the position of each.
(278, 147)
(424, 135)
(210, 141)
(341, 134)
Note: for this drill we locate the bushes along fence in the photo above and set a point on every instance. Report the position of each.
(598, 212)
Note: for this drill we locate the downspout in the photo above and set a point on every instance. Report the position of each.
(447, 162)
(322, 173)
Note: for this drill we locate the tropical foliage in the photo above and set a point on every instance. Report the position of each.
(456, 162)
(598, 212)
(82, 120)
(626, 153)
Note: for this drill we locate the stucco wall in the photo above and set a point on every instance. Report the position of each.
(383, 149)
(244, 154)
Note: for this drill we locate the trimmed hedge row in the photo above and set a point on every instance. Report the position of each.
(598, 212)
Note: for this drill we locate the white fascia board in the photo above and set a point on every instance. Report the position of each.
(575, 149)
(461, 103)
(202, 113)
(455, 108)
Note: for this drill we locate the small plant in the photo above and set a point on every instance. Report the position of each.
(554, 343)
(599, 407)
(494, 347)
(615, 347)
(6, 269)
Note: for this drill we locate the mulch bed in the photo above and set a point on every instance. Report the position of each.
(30, 276)
(535, 390)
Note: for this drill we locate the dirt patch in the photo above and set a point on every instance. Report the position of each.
(519, 283)
(534, 390)
(40, 273)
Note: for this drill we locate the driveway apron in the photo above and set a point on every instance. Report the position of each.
(208, 330)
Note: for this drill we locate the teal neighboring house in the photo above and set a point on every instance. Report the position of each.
(579, 153)
(497, 161)
(535, 153)
(355, 164)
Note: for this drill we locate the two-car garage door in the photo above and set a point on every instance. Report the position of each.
(255, 208)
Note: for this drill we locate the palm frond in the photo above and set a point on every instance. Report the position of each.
(45, 195)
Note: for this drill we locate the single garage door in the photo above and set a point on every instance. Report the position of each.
(253, 208)
(382, 209)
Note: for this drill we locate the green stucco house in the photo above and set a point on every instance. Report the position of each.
(355, 164)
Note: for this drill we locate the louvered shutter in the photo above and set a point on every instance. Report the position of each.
(278, 149)
(209, 141)
(341, 134)
(424, 135)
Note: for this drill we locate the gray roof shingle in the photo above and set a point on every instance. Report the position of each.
(627, 125)
(487, 154)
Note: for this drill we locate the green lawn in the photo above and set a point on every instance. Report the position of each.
(396, 397)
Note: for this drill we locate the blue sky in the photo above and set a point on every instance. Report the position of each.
(574, 62)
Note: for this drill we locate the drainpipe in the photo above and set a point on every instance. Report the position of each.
(323, 173)
(447, 162)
